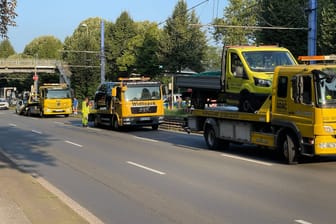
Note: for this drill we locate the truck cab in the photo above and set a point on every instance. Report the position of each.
(247, 73)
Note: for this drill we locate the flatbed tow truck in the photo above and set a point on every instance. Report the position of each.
(297, 118)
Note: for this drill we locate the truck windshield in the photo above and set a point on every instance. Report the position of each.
(134, 93)
(58, 93)
(266, 61)
(326, 87)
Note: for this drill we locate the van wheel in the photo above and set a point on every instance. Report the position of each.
(290, 150)
(210, 138)
(246, 103)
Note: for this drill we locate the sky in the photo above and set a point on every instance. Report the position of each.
(60, 18)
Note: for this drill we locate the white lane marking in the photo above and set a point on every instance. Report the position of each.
(146, 168)
(302, 221)
(247, 160)
(57, 122)
(146, 139)
(72, 143)
(37, 132)
(11, 124)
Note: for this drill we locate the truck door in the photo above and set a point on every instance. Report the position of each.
(235, 73)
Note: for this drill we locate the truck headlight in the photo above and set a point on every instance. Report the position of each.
(328, 129)
(262, 82)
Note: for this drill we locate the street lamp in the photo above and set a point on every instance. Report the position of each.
(102, 54)
(87, 28)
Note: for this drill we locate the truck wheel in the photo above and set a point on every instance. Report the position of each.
(210, 138)
(155, 127)
(96, 122)
(115, 124)
(290, 150)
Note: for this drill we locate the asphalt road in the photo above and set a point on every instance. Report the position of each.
(147, 176)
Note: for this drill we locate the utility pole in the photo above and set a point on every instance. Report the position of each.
(102, 54)
(312, 24)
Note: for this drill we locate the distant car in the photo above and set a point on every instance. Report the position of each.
(4, 105)
(20, 107)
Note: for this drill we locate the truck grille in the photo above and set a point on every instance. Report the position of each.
(144, 110)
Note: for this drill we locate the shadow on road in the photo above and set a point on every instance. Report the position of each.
(23, 147)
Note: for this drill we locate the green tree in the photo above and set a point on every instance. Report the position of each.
(147, 58)
(183, 45)
(212, 59)
(121, 46)
(7, 16)
(6, 49)
(47, 47)
(279, 14)
(326, 41)
(239, 14)
(81, 52)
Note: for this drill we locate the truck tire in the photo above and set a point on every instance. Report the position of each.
(210, 138)
(155, 127)
(290, 149)
(96, 122)
(115, 125)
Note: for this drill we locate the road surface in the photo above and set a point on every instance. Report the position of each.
(147, 176)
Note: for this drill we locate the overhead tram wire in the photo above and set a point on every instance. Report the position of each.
(252, 27)
(195, 6)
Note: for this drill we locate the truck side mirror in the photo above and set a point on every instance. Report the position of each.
(297, 89)
(123, 88)
(114, 92)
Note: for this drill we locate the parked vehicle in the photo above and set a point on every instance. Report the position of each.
(128, 103)
(297, 118)
(245, 79)
(52, 99)
(4, 105)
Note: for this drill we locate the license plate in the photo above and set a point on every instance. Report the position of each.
(144, 118)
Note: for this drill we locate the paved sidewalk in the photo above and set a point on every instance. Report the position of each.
(24, 201)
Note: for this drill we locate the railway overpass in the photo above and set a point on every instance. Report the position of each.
(15, 66)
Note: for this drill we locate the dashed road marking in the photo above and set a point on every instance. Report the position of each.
(247, 160)
(37, 132)
(73, 143)
(146, 168)
(146, 139)
(11, 124)
(300, 221)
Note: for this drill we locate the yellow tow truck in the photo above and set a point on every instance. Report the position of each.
(52, 99)
(130, 102)
(298, 118)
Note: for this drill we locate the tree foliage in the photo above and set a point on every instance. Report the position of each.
(81, 51)
(121, 46)
(46, 47)
(237, 13)
(278, 14)
(326, 38)
(6, 49)
(7, 16)
(182, 46)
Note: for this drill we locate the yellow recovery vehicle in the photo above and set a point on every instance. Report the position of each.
(245, 78)
(298, 118)
(52, 99)
(128, 103)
